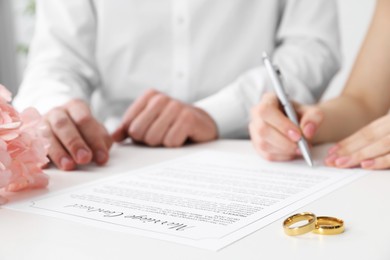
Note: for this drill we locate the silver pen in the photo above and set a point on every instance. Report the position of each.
(274, 75)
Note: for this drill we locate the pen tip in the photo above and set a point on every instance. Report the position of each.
(265, 55)
(310, 162)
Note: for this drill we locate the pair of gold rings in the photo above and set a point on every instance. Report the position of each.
(322, 225)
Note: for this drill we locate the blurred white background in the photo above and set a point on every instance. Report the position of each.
(17, 26)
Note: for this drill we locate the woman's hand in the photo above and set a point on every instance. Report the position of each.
(274, 136)
(369, 147)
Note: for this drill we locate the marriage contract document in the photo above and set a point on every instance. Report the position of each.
(207, 199)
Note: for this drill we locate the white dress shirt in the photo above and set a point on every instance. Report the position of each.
(204, 52)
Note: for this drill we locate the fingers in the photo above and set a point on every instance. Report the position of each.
(151, 112)
(156, 119)
(68, 135)
(134, 110)
(379, 163)
(273, 135)
(368, 147)
(95, 135)
(191, 124)
(372, 151)
(75, 136)
(179, 132)
(58, 154)
(363, 137)
(158, 130)
(270, 112)
(269, 141)
(311, 119)
(271, 145)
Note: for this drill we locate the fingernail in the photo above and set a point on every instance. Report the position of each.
(367, 163)
(66, 163)
(294, 136)
(309, 130)
(342, 161)
(333, 149)
(101, 157)
(330, 159)
(82, 155)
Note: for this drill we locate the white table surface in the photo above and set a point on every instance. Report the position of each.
(364, 205)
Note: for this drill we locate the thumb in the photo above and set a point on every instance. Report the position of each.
(311, 119)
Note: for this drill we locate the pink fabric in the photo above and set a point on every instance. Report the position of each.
(23, 150)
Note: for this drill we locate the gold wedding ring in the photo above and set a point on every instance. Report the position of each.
(329, 226)
(299, 230)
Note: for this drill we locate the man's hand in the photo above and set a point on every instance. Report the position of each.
(75, 136)
(156, 119)
(274, 136)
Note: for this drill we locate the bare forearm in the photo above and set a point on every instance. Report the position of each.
(342, 116)
(366, 95)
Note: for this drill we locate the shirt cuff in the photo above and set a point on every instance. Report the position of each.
(228, 113)
(230, 108)
(45, 98)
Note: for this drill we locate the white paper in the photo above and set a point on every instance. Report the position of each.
(207, 200)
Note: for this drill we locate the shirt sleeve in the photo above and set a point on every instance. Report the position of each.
(61, 63)
(307, 53)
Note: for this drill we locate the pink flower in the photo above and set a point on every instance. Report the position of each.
(23, 150)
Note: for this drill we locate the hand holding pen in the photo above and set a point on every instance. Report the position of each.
(274, 128)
